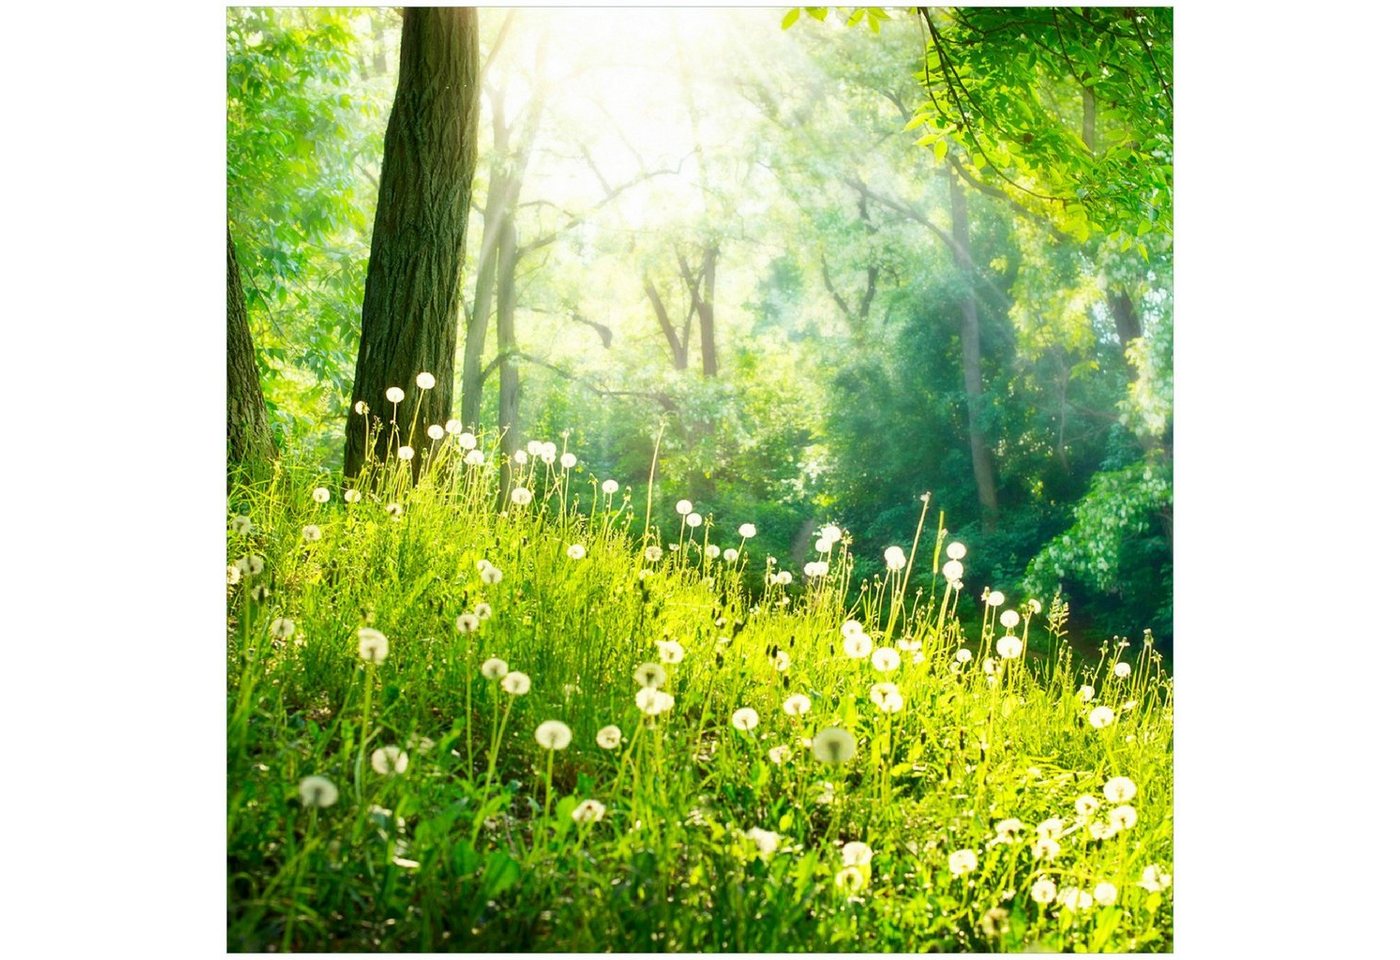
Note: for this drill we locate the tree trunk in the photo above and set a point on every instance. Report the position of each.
(706, 308)
(508, 410)
(972, 357)
(408, 323)
(678, 350)
(480, 317)
(249, 436)
(1126, 322)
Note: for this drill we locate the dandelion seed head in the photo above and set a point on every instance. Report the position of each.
(361, 407)
(568, 461)
(766, 841)
(394, 510)
(389, 761)
(854, 853)
(521, 496)
(731, 555)
(858, 647)
(669, 651)
(693, 520)
(244, 525)
(577, 552)
(515, 683)
(425, 381)
(1086, 693)
(1105, 894)
(467, 441)
(996, 598)
(394, 395)
(1119, 789)
(282, 628)
(436, 432)
(494, 668)
(712, 550)
(748, 531)
(1086, 805)
(1121, 669)
(321, 495)
(953, 570)
(609, 737)
(1074, 899)
(1045, 848)
(650, 674)
(482, 611)
(352, 496)
(317, 791)
(491, 574)
(652, 553)
(405, 452)
(653, 702)
(468, 623)
(831, 533)
(780, 754)
(851, 628)
(797, 704)
(956, 551)
(961, 862)
(1009, 647)
(589, 811)
(1100, 717)
(745, 719)
(553, 735)
(374, 646)
(684, 507)
(1009, 619)
(610, 486)
(850, 879)
(885, 659)
(833, 745)
(1122, 818)
(1043, 891)
(1050, 828)
(963, 655)
(823, 545)
(311, 533)
(894, 558)
(1154, 879)
(1034, 605)
(453, 427)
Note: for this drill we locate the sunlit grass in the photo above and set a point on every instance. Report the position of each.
(462, 724)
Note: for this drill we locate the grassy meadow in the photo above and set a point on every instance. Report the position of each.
(462, 721)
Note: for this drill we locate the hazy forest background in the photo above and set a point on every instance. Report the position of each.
(834, 272)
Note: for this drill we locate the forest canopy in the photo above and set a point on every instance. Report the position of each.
(836, 259)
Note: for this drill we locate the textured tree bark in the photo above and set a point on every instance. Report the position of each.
(408, 322)
(508, 410)
(709, 357)
(678, 349)
(972, 357)
(249, 436)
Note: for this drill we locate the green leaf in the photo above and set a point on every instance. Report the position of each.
(940, 150)
(791, 16)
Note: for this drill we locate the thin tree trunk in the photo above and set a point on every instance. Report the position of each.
(249, 436)
(972, 357)
(480, 317)
(408, 323)
(706, 308)
(508, 410)
(1090, 110)
(678, 351)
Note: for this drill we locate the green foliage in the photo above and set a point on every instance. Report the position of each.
(706, 840)
(306, 115)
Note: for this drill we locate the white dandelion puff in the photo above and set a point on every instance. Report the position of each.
(1119, 790)
(389, 761)
(494, 668)
(745, 718)
(568, 461)
(361, 407)
(321, 495)
(553, 735)
(475, 458)
(609, 737)
(885, 659)
(962, 862)
(694, 520)
(1043, 891)
(282, 628)
(850, 880)
(521, 496)
(1100, 717)
(859, 646)
(244, 525)
(425, 381)
(1050, 828)
(1009, 647)
(894, 558)
(393, 395)
(669, 651)
(833, 745)
(374, 646)
(963, 655)
(996, 598)
(515, 683)
(1121, 669)
(765, 840)
(311, 533)
(652, 553)
(405, 452)
(1122, 818)
(780, 754)
(1009, 619)
(748, 531)
(352, 496)
(1045, 848)
(610, 487)
(453, 427)
(1154, 879)
(1105, 894)
(589, 811)
(854, 853)
(577, 552)
(317, 791)
(953, 570)
(650, 674)
(468, 623)
(1086, 693)
(796, 705)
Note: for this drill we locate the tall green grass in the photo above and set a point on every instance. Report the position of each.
(711, 837)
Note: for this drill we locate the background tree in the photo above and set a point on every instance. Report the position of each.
(249, 437)
(409, 323)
